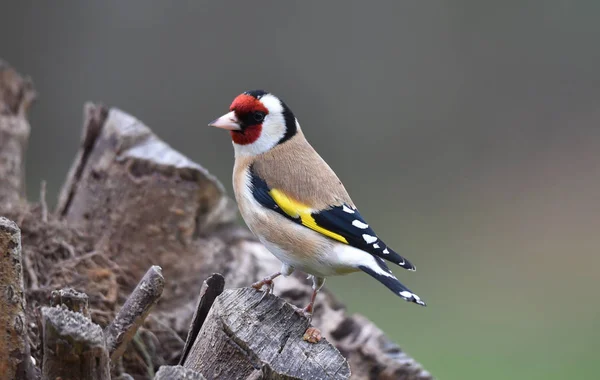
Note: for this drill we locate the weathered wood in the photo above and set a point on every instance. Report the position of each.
(15, 360)
(16, 95)
(211, 289)
(133, 313)
(177, 372)
(371, 354)
(74, 347)
(146, 202)
(260, 334)
(72, 299)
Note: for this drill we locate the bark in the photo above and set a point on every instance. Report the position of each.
(177, 372)
(261, 337)
(74, 347)
(133, 313)
(15, 360)
(16, 94)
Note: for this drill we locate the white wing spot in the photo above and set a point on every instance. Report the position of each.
(369, 239)
(386, 251)
(358, 224)
(375, 246)
(347, 209)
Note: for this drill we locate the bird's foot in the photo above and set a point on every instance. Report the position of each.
(312, 335)
(267, 283)
(305, 312)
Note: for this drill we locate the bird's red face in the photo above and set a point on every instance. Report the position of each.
(257, 122)
(251, 113)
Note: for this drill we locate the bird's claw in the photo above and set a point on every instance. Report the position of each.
(303, 313)
(270, 286)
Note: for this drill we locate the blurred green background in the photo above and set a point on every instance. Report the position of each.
(467, 133)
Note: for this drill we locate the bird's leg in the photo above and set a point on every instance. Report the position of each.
(309, 308)
(266, 281)
(317, 285)
(312, 334)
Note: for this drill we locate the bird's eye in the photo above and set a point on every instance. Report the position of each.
(259, 116)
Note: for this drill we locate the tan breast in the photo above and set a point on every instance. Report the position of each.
(292, 243)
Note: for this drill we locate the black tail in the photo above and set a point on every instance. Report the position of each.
(392, 282)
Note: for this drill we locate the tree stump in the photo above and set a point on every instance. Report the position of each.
(74, 347)
(261, 336)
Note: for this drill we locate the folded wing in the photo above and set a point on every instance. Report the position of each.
(339, 222)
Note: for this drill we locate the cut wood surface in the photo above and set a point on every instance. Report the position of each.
(130, 201)
(260, 335)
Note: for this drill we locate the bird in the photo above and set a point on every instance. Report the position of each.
(296, 205)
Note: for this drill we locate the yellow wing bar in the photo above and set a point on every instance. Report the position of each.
(296, 209)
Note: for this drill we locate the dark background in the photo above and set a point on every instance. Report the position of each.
(467, 133)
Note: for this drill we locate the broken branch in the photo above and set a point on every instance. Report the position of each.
(131, 316)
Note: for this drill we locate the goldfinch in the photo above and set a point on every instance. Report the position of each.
(295, 204)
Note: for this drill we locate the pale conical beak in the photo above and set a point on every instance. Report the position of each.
(228, 121)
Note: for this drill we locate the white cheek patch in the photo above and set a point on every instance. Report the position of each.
(272, 103)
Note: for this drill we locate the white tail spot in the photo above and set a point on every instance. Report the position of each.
(369, 239)
(386, 251)
(375, 246)
(407, 294)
